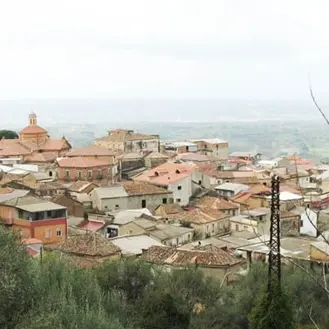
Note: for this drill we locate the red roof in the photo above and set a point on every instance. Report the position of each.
(92, 225)
(33, 129)
(41, 157)
(167, 173)
(31, 241)
(31, 252)
(55, 145)
(80, 162)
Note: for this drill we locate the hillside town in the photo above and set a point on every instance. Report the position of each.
(169, 203)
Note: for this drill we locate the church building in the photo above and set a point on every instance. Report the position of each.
(34, 144)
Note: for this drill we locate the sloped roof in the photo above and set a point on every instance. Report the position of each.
(171, 208)
(55, 144)
(32, 204)
(80, 185)
(33, 129)
(91, 150)
(111, 192)
(134, 188)
(41, 157)
(199, 216)
(216, 203)
(134, 245)
(167, 231)
(13, 195)
(235, 187)
(89, 244)
(80, 162)
(166, 174)
(259, 189)
(171, 256)
(92, 225)
(14, 149)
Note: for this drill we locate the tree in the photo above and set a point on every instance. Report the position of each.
(272, 311)
(17, 288)
(8, 134)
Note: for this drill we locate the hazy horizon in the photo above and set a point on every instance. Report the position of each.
(84, 111)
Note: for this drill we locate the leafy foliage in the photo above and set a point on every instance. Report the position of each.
(272, 311)
(8, 134)
(131, 294)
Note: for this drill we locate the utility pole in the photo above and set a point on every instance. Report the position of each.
(274, 267)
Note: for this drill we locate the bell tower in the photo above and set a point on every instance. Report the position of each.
(32, 119)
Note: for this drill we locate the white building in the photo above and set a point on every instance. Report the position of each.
(308, 222)
(176, 178)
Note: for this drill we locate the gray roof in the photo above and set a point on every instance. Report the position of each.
(235, 187)
(126, 216)
(322, 246)
(290, 247)
(110, 192)
(134, 245)
(14, 194)
(145, 223)
(256, 212)
(33, 204)
(167, 231)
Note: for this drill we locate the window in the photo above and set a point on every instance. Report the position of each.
(143, 203)
(79, 175)
(48, 214)
(47, 233)
(116, 206)
(50, 174)
(67, 173)
(58, 232)
(164, 200)
(213, 228)
(179, 187)
(301, 223)
(90, 174)
(237, 227)
(171, 200)
(178, 200)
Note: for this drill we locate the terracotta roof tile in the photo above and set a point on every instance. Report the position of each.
(259, 189)
(92, 225)
(172, 208)
(216, 203)
(33, 129)
(172, 256)
(87, 244)
(55, 144)
(80, 162)
(43, 157)
(199, 216)
(142, 188)
(166, 174)
(80, 185)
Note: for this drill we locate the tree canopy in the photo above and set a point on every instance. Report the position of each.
(8, 134)
(130, 294)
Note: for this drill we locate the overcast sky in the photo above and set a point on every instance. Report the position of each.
(163, 48)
